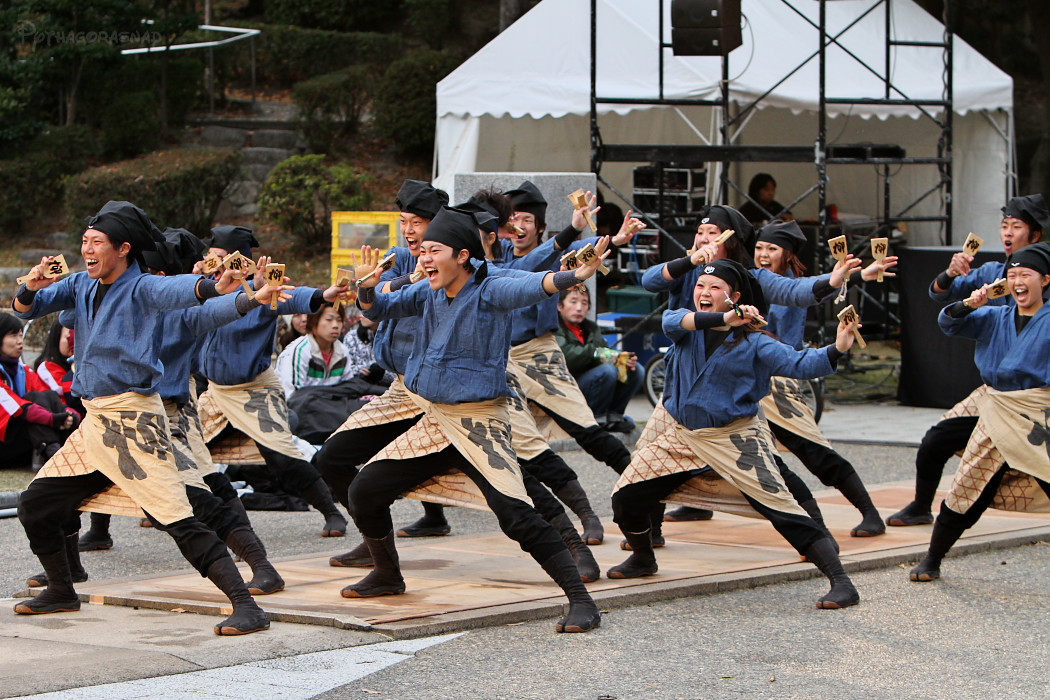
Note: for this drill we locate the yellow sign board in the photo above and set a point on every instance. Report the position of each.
(353, 229)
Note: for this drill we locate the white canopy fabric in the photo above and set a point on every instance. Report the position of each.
(543, 61)
(537, 75)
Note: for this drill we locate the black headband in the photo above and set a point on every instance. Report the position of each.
(457, 229)
(785, 234)
(123, 222)
(737, 276)
(420, 198)
(1035, 256)
(231, 238)
(725, 218)
(1030, 209)
(528, 198)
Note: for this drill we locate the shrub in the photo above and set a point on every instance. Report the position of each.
(336, 15)
(181, 187)
(33, 180)
(131, 125)
(431, 21)
(302, 192)
(289, 55)
(330, 106)
(405, 101)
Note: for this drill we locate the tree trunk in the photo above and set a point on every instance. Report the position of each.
(509, 12)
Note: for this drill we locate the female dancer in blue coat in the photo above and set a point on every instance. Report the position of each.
(1013, 355)
(792, 422)
(721, 370)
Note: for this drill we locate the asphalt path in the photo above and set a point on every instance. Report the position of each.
(981, 631)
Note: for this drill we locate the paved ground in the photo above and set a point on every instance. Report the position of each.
(979, 632)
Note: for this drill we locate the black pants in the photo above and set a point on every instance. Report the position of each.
(938, 445)
(341, 455)
(633, 503)
(550, 469)
(380, 483)
(964, 521)
(823, 462)
(292, 474)
(596, 442)
(48, 508)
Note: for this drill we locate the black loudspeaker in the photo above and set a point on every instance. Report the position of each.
(936, 370)
(705, 27)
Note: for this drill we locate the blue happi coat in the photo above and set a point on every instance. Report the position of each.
(181, 333)
(392, 345)
(535, 321)
(116, 352)
(788, 323)
(239, 352)
(711, 393)
(781, 290)
(1007, 360)
(963, 285)
(459, 353)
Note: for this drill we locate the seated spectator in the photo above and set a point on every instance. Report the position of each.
(32, 416)
(763, 190)
(360, 359)
(607, 388)
(55, 364)
(317, 358)
(289, 328)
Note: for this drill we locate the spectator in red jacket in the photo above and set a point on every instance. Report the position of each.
(594, 365)
(32, 416)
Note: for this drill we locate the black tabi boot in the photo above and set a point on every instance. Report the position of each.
(584, 615)
(941, 541)
(912, 514)
(98, 536)
(843, 593)
(683, 514)
(385, 578)
(247, 616)
(358, 557)
(853, 489)
(59, 595)
(320, 497)
(656, 522)
(432, 524)
(573, 495)
(247, 545)
(581, 554)
(813, 511)
(642, 561)
(77, 572)
(919, 511)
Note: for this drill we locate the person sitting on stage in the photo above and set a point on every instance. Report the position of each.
(721, 369)
(1024, 221)
(359, 342)
(318, 358)
(607, 380)
(762, 205)
(461, 385)
(33, 418)
(1006, 462)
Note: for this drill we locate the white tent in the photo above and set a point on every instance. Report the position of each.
(522, 103)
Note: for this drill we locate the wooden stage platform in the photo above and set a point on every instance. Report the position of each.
(468, 581)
